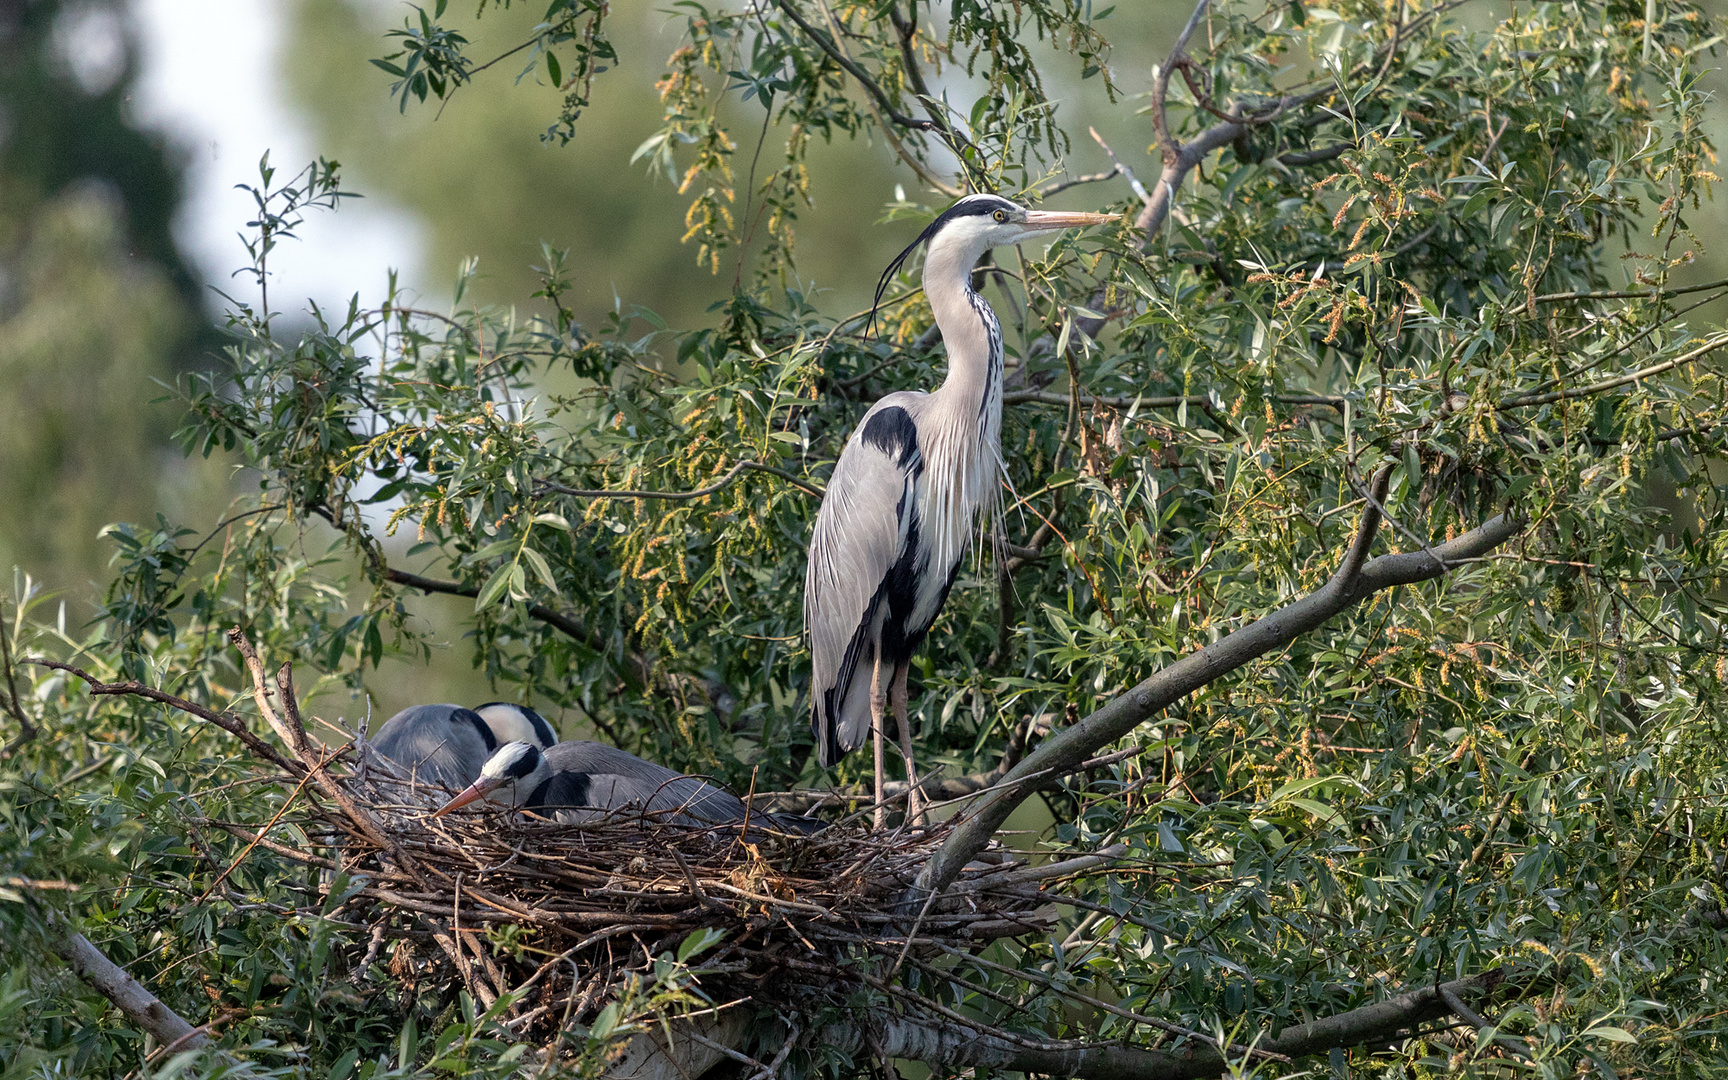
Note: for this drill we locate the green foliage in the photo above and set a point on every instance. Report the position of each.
(1450, 251)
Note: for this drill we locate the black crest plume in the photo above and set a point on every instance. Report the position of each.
(978, 203)
(894, 268)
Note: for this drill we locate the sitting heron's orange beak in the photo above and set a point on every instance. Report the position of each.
(479, 789)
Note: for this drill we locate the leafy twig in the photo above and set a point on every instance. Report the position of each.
(13, 703)
(732, 474)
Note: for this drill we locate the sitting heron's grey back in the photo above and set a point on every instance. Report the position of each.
(593, 776)
(442, 745)
(590, 779)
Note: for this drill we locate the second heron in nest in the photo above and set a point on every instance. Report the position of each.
(585, 781)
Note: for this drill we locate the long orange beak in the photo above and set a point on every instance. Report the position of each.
(477, 790)
(1065, 219)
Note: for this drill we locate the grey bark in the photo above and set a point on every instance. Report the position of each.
(685, 1047)
(952, 1045)
(1355, 579)
(107, 978)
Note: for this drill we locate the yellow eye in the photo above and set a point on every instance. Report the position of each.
(1000, 215)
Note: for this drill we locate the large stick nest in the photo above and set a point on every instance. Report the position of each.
(579, 914)
(603, 898)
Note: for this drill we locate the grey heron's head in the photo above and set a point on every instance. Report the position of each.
(507, 776)
(977, 223)
(516, 723)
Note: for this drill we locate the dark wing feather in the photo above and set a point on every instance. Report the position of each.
(861, 532)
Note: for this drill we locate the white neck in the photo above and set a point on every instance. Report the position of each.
(948, 283)
(964, 416)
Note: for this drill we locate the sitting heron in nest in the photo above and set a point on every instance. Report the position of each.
(585, 781)
(445, 745)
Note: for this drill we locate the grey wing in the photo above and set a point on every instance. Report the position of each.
(437, 744)
(614, 779)
(861, 532)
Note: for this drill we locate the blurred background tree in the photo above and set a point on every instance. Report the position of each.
(96, 302)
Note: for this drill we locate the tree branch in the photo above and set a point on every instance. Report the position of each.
(1075, 181)
(289, 727)
(1180, 158)
(905, 30)
(912, 160)
(1469, 1015)
(1632, 294)
(955, 1045)
(1067, 749)
(876, 93)
(1313, 157)
(10, 699)
(571, 627)
(226, 721)
(1167, 145)
(1615, 383)
(110, 980)
(1171, 401)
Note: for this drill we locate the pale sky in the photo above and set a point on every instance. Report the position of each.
(209, 80)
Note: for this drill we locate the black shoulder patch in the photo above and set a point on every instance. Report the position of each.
(564, 789)
(892, 431)
(472, 719)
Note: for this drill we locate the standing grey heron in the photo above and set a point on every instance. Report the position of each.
(900, 509)
(446, 745)
(580, 781)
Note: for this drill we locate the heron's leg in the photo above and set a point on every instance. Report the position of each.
(878, 713)
(914, 798)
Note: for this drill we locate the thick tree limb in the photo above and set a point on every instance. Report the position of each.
(1316, 156)
(1470, 1016)
(683, 1047)
(954, 1045)
(1062, 752)
(107, 978)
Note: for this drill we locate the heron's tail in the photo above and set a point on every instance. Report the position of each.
(793, 823)
(840, 715)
